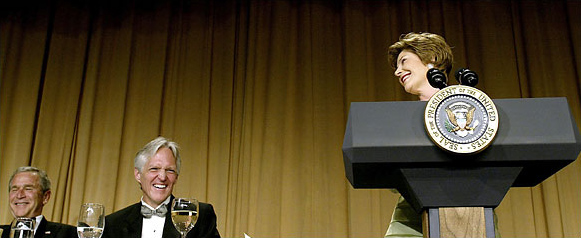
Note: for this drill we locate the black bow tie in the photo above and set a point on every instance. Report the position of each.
(147, 212)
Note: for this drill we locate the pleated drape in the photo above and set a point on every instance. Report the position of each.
(257, 94)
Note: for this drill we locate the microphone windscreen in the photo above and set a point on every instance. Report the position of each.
(437, 78)
(466, 77)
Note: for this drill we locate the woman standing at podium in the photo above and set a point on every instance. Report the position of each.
(411, 57)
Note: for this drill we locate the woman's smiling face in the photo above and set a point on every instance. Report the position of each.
(411, 72)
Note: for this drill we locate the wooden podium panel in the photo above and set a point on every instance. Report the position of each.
(460, 222)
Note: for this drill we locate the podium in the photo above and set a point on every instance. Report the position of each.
(386, 146)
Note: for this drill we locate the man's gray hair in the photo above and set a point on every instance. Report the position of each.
(44, 180)
(152, 147)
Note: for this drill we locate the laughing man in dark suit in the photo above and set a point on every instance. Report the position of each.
(29, 191)
(157, 166)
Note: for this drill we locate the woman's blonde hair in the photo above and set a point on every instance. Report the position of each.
(431, 48)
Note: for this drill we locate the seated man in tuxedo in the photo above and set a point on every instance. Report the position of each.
(29, 191)
(157, 166)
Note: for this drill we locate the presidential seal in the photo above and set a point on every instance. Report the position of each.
(461, 119)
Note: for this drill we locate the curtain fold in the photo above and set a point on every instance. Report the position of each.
(257, 95)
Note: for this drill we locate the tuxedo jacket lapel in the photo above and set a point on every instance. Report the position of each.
(41, 228)
(134, 221)
(5, 231)
(169, 231)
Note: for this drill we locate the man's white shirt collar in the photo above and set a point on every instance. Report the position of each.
(153, 227)
(37, 221)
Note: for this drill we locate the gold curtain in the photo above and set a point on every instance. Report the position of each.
(257, 94)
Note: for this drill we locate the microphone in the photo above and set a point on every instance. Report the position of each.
(466, 77)
(437, 78)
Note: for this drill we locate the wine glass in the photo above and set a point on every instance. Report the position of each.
(91, 220)
(22, 227)
(184, 214)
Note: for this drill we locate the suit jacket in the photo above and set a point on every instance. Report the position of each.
(128, 222)
(47, 229)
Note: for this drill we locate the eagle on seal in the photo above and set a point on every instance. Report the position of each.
(461, 125)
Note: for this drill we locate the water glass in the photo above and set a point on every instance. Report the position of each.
(91, 220)
(22, 227)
